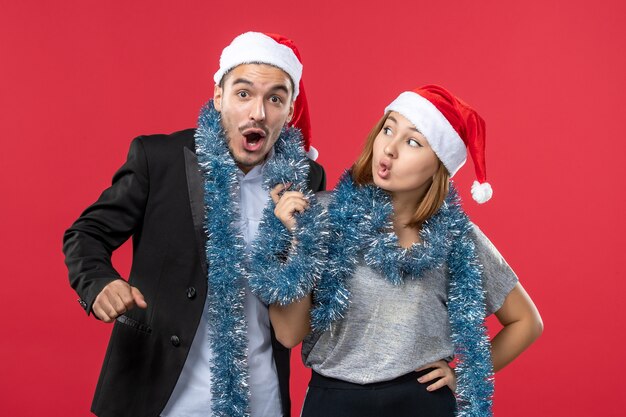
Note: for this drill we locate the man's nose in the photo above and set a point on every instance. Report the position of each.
(257, 111)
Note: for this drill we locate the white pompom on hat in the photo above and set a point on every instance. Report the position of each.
(281, 52)
(451, 127)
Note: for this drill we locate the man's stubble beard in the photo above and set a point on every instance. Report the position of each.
(239, 162)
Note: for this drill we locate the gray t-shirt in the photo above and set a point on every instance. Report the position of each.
(390, 330)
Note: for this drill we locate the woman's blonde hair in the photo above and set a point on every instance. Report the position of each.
(435, 195)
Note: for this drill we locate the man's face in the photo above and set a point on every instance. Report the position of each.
(255, 102)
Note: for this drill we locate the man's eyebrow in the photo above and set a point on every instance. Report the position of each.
(242, 81)
(281, 87)
(245, 81)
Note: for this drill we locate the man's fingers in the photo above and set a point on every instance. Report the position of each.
(126, 296)
(118, 298)
(119, 305)
(113, 311)
(115, 299)
(105, 311)
(103, 305)
(99, 312)
(138, 297)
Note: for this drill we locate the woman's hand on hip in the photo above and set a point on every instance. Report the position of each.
(443, 371)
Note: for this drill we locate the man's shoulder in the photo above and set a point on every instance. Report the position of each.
(179, 138)
(317, 176)
(166, 147)
(315, 167)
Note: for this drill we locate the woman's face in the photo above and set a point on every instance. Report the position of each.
(403, 161)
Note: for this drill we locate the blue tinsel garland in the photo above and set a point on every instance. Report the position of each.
(360, 224)
(280, 273)
(225, 253)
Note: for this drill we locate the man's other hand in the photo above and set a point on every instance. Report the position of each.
(116, 299)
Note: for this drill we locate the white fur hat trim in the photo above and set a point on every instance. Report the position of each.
(255, 47)
(441, 136)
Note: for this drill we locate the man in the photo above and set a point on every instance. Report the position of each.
(189, 338)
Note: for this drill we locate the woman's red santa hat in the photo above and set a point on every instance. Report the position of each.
(451, 127)
(281, 52)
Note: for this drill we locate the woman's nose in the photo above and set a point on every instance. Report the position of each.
(390, 149)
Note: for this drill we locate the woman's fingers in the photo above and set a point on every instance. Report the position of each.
(438, 384)
(437, 364)
(288, 195)
(287, 203)
(291, 200)
(286, 209)
(436, 373)
(442, 371)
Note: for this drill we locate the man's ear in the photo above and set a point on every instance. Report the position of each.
(217, 97)
(291, 110)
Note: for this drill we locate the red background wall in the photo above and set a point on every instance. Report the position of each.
(79, 79)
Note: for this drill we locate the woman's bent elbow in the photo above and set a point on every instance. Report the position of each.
(538, 327)
(289, 341)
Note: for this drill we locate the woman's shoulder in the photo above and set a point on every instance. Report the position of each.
(324, 197)
(481, 240)
(498, 277)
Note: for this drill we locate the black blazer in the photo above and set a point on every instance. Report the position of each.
(157, 198)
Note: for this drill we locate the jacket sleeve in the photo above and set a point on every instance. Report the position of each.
(106, 225)
(317, 177)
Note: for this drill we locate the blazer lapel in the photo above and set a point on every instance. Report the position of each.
(195, 188)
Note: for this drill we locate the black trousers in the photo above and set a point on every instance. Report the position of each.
(400, 397)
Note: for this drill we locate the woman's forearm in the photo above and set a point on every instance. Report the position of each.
(291, 322)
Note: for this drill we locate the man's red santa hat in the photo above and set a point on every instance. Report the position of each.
(281, 52)
(451, 127)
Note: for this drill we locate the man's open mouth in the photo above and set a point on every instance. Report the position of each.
(253, 139)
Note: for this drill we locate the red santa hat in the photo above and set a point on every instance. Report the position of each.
(281, 52)
(451, 127)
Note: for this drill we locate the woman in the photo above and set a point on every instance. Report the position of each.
(408, 279)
